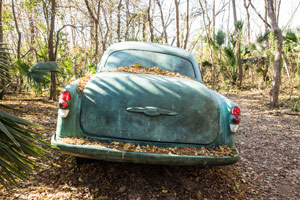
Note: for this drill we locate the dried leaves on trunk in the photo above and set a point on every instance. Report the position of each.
(135, 69)
(219, 151)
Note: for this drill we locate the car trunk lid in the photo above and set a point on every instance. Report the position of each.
(149, 108)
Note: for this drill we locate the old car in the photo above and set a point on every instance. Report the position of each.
(147, 103)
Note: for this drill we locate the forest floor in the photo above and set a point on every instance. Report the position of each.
(268, 141)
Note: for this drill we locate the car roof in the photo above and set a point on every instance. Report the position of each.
(147, 46)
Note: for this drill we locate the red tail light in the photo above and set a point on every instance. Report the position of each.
(65, 95)
(236, 120)
(235, 111)
(63, 104)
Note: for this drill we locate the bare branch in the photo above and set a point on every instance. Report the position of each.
(292, 17)
(258, 14)
(57, 36)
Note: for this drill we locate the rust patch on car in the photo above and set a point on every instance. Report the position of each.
(219, 151)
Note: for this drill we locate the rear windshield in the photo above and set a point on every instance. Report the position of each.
(150, 59)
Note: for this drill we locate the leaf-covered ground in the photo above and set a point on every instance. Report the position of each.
(268, 141)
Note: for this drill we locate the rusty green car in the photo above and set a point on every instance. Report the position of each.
(125, 116)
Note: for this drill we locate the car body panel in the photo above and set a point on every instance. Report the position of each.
(102, 153)
(108, 95)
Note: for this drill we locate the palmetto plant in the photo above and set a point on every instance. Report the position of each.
(3, 69)
(18, 144)
(291, 49)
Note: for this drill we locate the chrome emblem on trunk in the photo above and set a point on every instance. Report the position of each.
(152, 111)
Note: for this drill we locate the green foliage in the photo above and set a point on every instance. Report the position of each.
(18, 147)
(262, 37)
(291, 36)
(4, 69)
(295, 106)
(230, 56)
(37, 76)
(239, 24)
(206, 64)
(21, 68)
(67, 65)
(231, 40)
(247, 50)
(18, 144)
(220, 38)
(91, 68)
(7, 19)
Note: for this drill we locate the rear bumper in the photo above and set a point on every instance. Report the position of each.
(102, 153)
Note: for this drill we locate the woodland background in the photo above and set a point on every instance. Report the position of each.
(236, 43)
(247, 50)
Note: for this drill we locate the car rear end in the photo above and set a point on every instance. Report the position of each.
(146, 110)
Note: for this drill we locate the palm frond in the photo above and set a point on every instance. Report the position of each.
(239, 24)
(291, 36)
(262, 37)
(230, 56)
(17, 143)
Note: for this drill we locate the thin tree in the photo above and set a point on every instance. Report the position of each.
(51, 49)
(214, 19)
(267, 63)
(246, 6)
(17, 29)
(274, 93)
(238, 45)
(177, 23)
(209, 42)
(119, 21)
(187, 24)
(95, 18)
(164, 32)
(150, 21)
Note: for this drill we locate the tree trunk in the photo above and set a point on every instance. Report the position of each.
(119, 21)
(150, 22)
(51, 49)
(133, 27)
(95, 22)
(267, 63)
(238, 47)
(164, 33)
(177, 23)
(246, 6)
(32, 32)
(214, 19)
(98, 30)
(277, 10)
(274, 93)
(144, 27)
(127, 19)
(213, 76)
(187, 24)
(17, 28)
(110, 36)
(92, 33)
